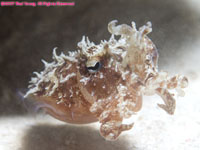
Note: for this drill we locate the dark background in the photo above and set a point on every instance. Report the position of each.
(28, 35)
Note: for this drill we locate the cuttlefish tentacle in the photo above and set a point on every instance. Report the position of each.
(138, 103)
(176, 82)
(112, 117)
(170, 103)
(136, 98)
(113, 128)
(111, 124)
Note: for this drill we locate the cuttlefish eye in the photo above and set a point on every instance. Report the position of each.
(93, 66)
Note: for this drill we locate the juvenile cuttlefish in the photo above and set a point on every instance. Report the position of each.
(105, 82)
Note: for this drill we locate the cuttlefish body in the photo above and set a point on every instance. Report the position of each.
(105, 82)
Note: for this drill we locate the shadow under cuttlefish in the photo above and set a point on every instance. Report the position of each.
(69, 137)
